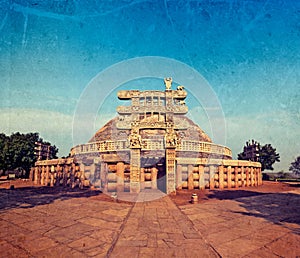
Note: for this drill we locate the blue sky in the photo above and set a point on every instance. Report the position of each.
(248, 51)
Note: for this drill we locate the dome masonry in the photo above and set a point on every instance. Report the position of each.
(109, 132)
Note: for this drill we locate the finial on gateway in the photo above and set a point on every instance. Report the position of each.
(168, 83)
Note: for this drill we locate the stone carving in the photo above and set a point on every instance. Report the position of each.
(152, 124)
(135, 125)
(152, 129)
(168, 83)
(135, 139)
(171, 139)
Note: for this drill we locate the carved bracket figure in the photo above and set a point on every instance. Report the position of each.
(135, 140)
(168, 83)
(171, 139)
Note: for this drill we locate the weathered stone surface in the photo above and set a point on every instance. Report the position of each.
(151, 144)
(262, 224)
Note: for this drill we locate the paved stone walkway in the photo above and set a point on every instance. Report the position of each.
(51, 223)
(263, 225)
(159, 229)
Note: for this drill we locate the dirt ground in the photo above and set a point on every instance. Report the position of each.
(183, 197)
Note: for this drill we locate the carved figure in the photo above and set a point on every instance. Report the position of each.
(181, 102)
(180, 87)
(135, 139)
(171, 139)
(168, 83)
(134, 124)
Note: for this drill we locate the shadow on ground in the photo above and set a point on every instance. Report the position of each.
(232, 194)
(28, 197)
(279, 208)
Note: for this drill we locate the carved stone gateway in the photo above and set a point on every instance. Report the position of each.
(151, 144)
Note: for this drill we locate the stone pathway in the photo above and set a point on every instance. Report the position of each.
(159, 229)
(51, 223)
(266, 225)
(66, 227)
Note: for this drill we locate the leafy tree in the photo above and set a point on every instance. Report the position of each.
(267, 156)
(3, 141)
(242, 156)
(295, 166)
(17, 151)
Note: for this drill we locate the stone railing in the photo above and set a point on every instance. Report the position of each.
(206, 147)
(191, 173)
(210, 174)
(149, 144)
(177, 109)
(100, 146)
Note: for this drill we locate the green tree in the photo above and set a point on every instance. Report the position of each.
(3, 143)
(17, 151)
(295, 166)
(242, 156)
(267, 156)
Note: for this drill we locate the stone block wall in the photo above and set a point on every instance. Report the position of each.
(115, 176)
(225, 174)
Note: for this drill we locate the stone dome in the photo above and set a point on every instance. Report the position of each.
(110, 131)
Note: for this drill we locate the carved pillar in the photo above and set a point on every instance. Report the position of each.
(92, 173)
(229, 176)
(190, 177)
(179, 177)
(170, 167)
(97, 173)
(82, 176)
(120, 176)
(259, 176)
(31, 174)
(142, 178)
(255, 176)
(65, 174)
(47, 181)
(211, 177)
(135, 170)
(247, 177)
(170, 145)
(57, 176)
(52, 170)
(243, 176)
(36, 175)
(135, 158)
(43, 175)
(154, 178)
(221, 177)
(72, 175)
(201, 177)
(251, 177)
(236, 178)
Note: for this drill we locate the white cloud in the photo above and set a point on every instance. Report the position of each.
(52, 126)
(281, 129)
